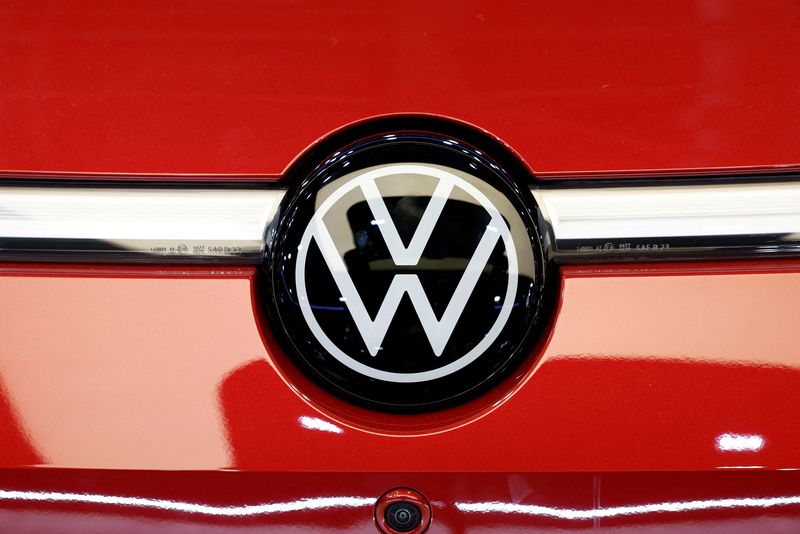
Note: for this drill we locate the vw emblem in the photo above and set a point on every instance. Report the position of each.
(407, 272)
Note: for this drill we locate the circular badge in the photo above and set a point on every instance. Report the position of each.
(406, 272)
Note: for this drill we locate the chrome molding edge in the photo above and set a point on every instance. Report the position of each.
(582, 222)
(132, 224)
(662, 222)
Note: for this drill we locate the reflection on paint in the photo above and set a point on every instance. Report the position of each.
(742, 467)
(615, 511)
(740, 442)
(315, 423)
(319, 503)
(316, 503)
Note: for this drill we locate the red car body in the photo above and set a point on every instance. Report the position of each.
(136, 397)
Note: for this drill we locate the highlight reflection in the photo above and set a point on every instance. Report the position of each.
(318, 503)
(615, 511)
(739, 442)
(315, 423)
(315, 503)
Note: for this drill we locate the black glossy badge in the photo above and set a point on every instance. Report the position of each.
(406, 272)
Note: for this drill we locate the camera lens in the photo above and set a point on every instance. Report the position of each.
(403, 516)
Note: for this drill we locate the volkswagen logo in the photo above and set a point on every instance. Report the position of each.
(407, 272)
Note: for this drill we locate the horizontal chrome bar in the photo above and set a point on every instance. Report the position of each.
(122, 224)
(675, 221)
(580, 222)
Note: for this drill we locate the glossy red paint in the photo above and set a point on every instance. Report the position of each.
(56, 500)
(215, 87)
(662, 396)
(152, 369)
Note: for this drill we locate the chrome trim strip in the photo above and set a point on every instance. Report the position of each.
(580, 222)
(126, 224)
(672, 221)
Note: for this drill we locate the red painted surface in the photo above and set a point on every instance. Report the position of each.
(215, 87)
(32, 501)
(147, 382)
(645, 369)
